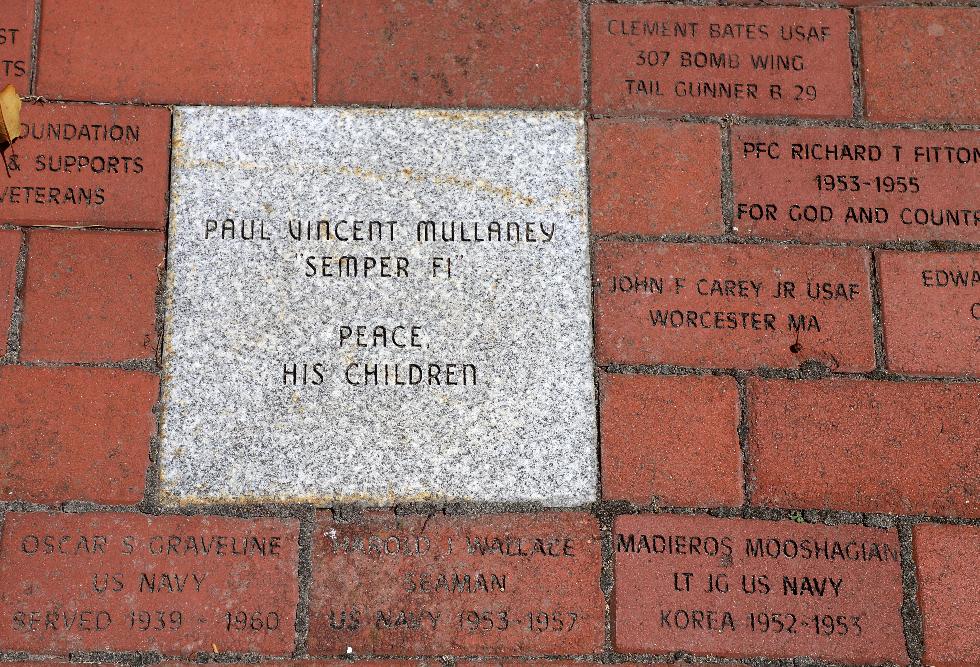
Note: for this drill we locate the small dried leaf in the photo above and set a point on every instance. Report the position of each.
(9, 116)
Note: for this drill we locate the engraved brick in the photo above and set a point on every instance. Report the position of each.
(451, 53)
(655, 178)
(931, 308)
(9, 254)
(243, 52)
(738, 588)
(919, 63)
(84, 164)
(75, 434)
(127, 582)
(863, 446)
(670, 440)
(728, 306)
(90, 296)
(947, 559)
(16, 32)
(504, 585)
(842, 184)
(714, 61)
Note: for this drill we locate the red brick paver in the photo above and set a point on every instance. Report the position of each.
(85, 164)
(738, 588)
(123, 582)
(844, 184)
(90, 296)
(507, 584)
(713, 61)
(16, 31)
(75, 434)
(178, 51)
(947, 559)
(451, 53)
(920, 63)
(670, 440)
(655, 178)
(724, 306)
(931, 307)
(863, 446)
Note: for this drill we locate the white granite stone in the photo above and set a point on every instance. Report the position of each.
(514, 316)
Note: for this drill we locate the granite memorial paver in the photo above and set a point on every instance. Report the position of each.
(378, 305)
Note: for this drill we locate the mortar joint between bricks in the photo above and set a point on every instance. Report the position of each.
(13, 333)
(315, 52)
(743, 438)
(877, 316)
(911, 614)
(805, 372)
(152, 495)
(844, 122)
(146, 365)
(727, 180)
(857, 80)
(729, 238)
(304, 580)
(593, 331)
(607, 577)
(35, 40)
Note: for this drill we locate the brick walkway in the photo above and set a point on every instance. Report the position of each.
(786, 268)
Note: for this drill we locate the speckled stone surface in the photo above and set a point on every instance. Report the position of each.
(508, 331)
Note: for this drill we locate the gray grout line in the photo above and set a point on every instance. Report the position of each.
(727, 194)
(857, 78)
(152, 490)
(35, 40)
(606, 574)
(743, 439)
(304, 582)
(596, 379)
(793, 121)
(607, 578)
(911, 614)
(877, 315)
(80, 227)
(12, 355)
(805, 372)
(147, 365)
(734, 240)
(317, 9)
